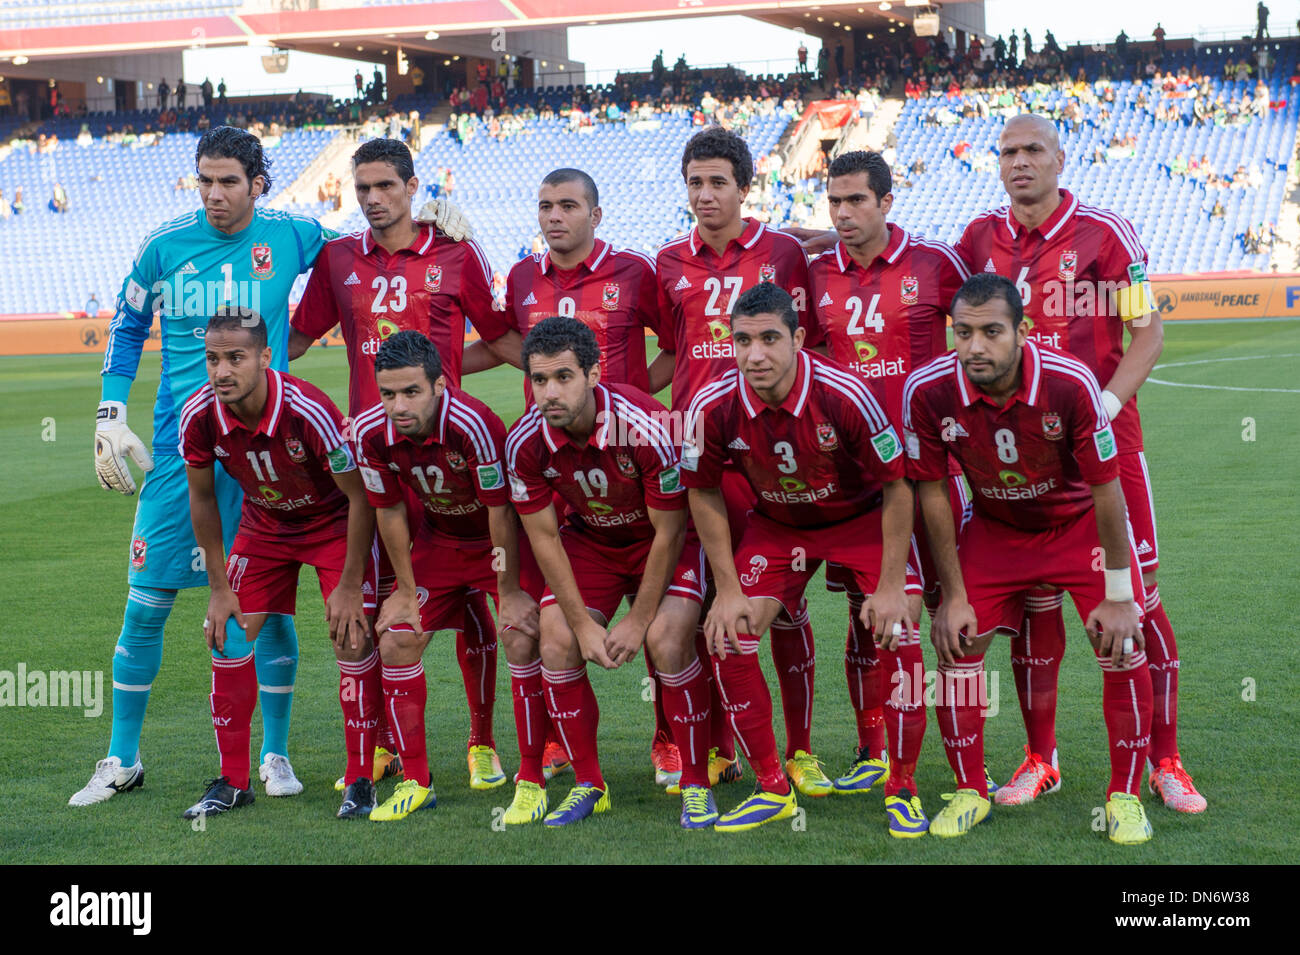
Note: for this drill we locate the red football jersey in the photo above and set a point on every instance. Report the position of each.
(612, 292)
(458, 472)
(284, 465)
(1069, 272)
(887, 320)
(628, 464)
(819, 458)
(698, 289)
(431, 286)
(1031, 462)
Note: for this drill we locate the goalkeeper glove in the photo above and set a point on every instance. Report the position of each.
(114, 441)
(450, 221)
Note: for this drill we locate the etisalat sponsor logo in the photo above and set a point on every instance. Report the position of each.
(73, 688)
(77, 908)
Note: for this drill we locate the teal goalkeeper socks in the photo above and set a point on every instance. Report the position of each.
(136, 661)
(277, 668)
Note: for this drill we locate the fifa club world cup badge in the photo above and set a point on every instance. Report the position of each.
(625, 465)
(767, 273)
(262, 261)
(1052, 427)
(1067, 266)
(297, 453)
(826, 439)
(908, 290)
(433, 278)
(138, 550)
(455, 461)
(610, 297)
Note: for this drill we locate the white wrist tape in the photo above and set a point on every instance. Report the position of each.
(1119, 585)
(1112, 404)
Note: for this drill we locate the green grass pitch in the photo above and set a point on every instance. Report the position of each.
(1224, 465)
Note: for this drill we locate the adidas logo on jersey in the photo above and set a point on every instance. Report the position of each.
(690, 575)
(826, 300)
(989, 266)
(221, 452)
(550, 473)
(189, 268)
(352, 280)
(738, 445)
(1144, 547)
(531, 299)
(681, 284)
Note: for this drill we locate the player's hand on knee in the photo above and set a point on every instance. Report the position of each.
(517, 611)
(886, 613)
(730, 616)
(624, 641)
(114, 443)
(223, 606)
(345, 614)
(591, 641)
(950, 620)
(401, 608)
(448, 218)
(1116, 629)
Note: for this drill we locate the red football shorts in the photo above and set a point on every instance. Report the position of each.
(1136, 482)
(776, 560)
(264, 574)
(1001, 564)
(606, 574)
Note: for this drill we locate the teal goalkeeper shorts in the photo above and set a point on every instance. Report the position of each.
(163, 553)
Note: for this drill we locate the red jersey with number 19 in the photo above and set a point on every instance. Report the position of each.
(612, 292)
(698, 289)
(1081, 275)
(431, 286)
(283, 465)
(1030, 462)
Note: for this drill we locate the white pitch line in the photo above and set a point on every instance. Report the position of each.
(1210, 361)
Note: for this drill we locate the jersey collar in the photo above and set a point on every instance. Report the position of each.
(439, 435)
(556, 438)
(424, 237)
(1031, 373)
(893, 249)
(752, 232)
(794, 402)
(591, 262)
(1053, 223)
(271, 413)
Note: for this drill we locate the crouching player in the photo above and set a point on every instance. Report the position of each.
(447, 448)
(826, 469)
(604, 449)
(1028, 426)
(281, 439)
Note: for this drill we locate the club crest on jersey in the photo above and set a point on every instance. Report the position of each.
(826, 439)
(610, 297)
(433, 278)
(625, 465)
(1067, 266)
(139, 547)
(262, 261)
(1052, 429)
(455, 461)
(908, 290)
(767, 273)
(297, 453)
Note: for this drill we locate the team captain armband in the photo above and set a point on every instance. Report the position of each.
(1135, 300)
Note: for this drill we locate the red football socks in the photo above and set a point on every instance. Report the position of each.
(361, 695)
(571, 703)
(686, 701)
(234, 694)
(1035, 663)
(1162, 659)
(1126, 705)
(405, 694)
(531, 721)
(795, 659)
(476, 652)
(959, 709)
(863, 671)
(903, 679)
(749, 709)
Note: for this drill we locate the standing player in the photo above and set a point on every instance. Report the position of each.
(401, 274)
(601, 449)
(612, 292)
(701, 275)
(1028, 426)
(826, 470)
(1081, 272)
(304, 503)
(228, 252)
(447, 447)
(881, 298)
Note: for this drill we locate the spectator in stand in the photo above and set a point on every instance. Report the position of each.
(802, 58)
(359, 81)
(221, 92)
(839, 60)
(206, 90)
(1261, 21)
(164, 91)
(1000, 53)
(181, 91)
(823, 65)
(1029, 44)
(1179, 166)
(1264, 61)
(1159, 34)
(6, 210)
(19, 206)
(1013, 47)
(92, 306)
(59, 198)
(1218, 212)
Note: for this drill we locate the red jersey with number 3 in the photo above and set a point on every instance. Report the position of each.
(698, 289)
(627, 465)
(1074, 273)
(612, 292)
(1031, 462)
(819, 458)
(886, 320)
(284, 464)
(458, 472)
(432, 286)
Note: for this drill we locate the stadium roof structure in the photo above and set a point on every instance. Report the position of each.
(335, 24)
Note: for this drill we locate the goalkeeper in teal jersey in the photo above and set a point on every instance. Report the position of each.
(227, 253)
